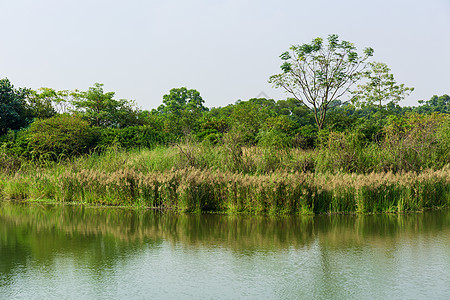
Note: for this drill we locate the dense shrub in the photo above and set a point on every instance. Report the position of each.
(63, 135)
(416, 142)
(342, 152)
(15, 143)
(8, 163)
(130, 137)
(274, 139)
(408, 143)
(305, 138)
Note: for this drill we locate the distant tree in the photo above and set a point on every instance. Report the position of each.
(248, 117)
(296, 111)
(435, 104)
(341, 117)
(380, 87)
(40, 104)
(59, 100)
(13, 110)
(101, 110)
(281, 123)
(316, 74)
(181, 109)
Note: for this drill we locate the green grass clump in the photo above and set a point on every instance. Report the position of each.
(196, 190)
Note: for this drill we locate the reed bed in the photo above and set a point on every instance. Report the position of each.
(200, 190)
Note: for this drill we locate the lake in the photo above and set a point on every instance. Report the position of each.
(52, 251)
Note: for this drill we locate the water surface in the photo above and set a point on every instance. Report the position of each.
(73, 252)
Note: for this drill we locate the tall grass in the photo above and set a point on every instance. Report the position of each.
(193, 189)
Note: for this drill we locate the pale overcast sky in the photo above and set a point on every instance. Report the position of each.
(224, 49)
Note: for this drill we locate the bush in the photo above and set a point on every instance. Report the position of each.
(416, 142)
(306, 137)
(15, 144)
(343, 151)
(130, 137)
(63, 135)
(274, 139)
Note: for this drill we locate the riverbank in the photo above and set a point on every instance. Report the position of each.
(127, 179)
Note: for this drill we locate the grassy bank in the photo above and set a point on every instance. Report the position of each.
(192, 178)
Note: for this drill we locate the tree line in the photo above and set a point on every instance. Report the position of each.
(331, 89)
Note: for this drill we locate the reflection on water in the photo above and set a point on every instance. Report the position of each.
(52, 251)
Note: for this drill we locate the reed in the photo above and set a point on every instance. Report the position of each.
(199, 190)
(232, 179)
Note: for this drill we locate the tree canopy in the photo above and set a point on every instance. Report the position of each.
(181, 108)
(380, 86)
(13, 110)
(102, 110)
(317, 74)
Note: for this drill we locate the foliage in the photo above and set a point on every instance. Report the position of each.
(415, 142)
(435, 104)
(274, 139)
(317, 74)
(409, 143)
(60, 136)
(40, 105)
(380, 87)
(341, 117)
(181, 109)
(343, 152)
(254, 136)
(248, 117)
(145, 136)
(60, 101)
(13, 111)
(101, 110)
(296, 111)
(9, 163)
(15, 144)
(306, 137)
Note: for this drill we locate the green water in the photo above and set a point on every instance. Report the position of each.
(75, 252)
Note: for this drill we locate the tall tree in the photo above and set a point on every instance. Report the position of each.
(100, 109)
(316, 74)
(380, 87)
(181, 109)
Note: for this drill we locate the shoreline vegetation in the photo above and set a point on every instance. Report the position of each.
(197, 178)
(394, 162)
(340, 143)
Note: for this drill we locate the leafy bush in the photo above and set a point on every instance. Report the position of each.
(15, 144)
(343, 152)
(209, 135)
(131, 137)
(274, 139)
(416, 142)
(63, 135)
(306, 137)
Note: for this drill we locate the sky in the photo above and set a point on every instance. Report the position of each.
(227, 50)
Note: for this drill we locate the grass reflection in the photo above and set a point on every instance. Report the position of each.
(98, 237)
